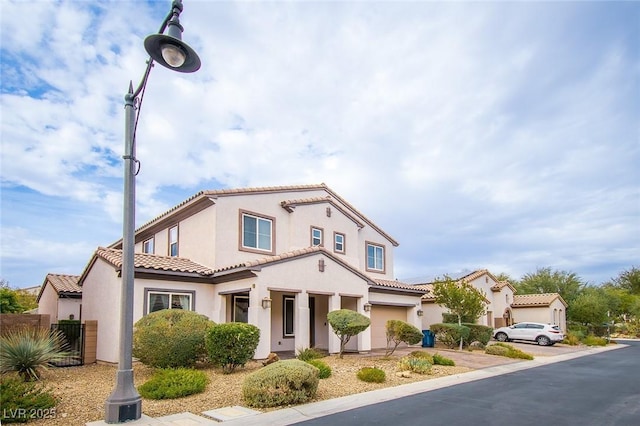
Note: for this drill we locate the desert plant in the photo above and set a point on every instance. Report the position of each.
(450, 334)
(231, 345)
(27, 350)
(325, 370)
(478, 333)
(496, 350)
(281, 383)
(571, 338)
(19, 397)
(592, 340)
(371, 375)
(415, 365)
(346, 324)
(170, 338)
(308, 354)
(504, 349)
(401, 332)
(174, 383)
(442, 360)
(422, 355)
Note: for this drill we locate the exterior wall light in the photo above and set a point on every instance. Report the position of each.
(266, 303)
(420, 312)
(367, 307)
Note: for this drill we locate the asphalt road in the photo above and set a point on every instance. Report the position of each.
(600, 389)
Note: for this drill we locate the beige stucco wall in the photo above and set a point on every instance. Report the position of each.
(553, 314)
(48, 303)
(68, 307)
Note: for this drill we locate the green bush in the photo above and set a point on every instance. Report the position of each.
(174, 383)
(27, 350)
(16, 395)
(309, 354)
(415, 365)
(231, 345)
(281, 383)
(449, 318)
(170, 338)
(592, 340)
(571, 338)
(450, 334)
(478, 333)
(504, 349)
(401, 332)
(325, 370)
(371, 375)
(422, 355)
(346, 324)
(442, 360)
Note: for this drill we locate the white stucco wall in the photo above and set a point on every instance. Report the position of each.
(48, 303)
(68, 307)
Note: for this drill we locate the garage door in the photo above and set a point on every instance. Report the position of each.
(380, 314)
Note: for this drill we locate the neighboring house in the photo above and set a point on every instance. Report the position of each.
(60, 297)
(548, 308)
(280, 258)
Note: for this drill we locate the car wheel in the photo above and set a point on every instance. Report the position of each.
(543, 341)
(501, 337)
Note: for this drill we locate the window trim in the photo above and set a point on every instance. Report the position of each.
(321, 230)
(234, 297)
(384, 255)
(292, 300)
(170, 292)
(153, 245)
(176, 242)
(344, 239)
(241, 246)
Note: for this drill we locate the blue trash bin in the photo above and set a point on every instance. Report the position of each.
(428, 339)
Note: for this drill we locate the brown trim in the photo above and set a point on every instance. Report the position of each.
(344, 243)
(311, 228)
(357, 296)
(394, 304)
(239, 290)
(177, 227)
(366, 257)
(321, 293)
(241, 213)
(284, 290)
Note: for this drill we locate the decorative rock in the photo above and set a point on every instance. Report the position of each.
(404, 374)
(271, 359)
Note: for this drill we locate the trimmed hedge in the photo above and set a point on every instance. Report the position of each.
(323, 368)
(232, 344)
(401, 332)
(478, 333)
(450, 334)
(174, 383)
(281, 383)
(442, 360)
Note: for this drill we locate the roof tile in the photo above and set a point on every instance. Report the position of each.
(155, 262)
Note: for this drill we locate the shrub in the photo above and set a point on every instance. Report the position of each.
(450, 334)
(170, 338)
(281, 383)
(504, 349)
(399, 332)
(28, 350)
(231, 345)
(442, 360)
(346, 324)
(174, 383)
(422, 355)
(449, 318)
(16, 394)
(478, 333)
(592, 340)
(309, 354)
(415, 365)
(325, 370)
(571, 339)
(371, 375)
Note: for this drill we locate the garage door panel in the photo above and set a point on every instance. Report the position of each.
(380, 314)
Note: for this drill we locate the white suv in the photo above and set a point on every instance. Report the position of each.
(544, 334)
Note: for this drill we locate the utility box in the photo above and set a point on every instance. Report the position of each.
(428, 339)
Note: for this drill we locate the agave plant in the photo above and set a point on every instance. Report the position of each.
(26, 351)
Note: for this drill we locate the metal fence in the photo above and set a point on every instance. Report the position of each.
(74, 338)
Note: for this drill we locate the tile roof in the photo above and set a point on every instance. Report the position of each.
(154, 262)
(397, 284)
(64, 283)
(530, 300)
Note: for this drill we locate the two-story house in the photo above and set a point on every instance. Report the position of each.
(280, 258)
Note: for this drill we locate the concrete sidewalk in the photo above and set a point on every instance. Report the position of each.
(233, 416)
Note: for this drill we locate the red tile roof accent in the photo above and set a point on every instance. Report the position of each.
(396, 284)
(155, 262)
(531, 300)
(64, 283)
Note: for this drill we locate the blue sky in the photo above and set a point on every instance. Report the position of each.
(478, 134)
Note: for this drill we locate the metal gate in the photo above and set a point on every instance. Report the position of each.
(74, 338)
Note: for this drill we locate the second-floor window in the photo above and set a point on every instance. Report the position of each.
(375, 257)
(257, 232)
(338, 242)
(173, 241)
(316, 237)
(147, 246)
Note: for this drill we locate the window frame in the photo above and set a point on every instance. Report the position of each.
(383, 250)
(234, 298)
(148, 292)
(320, 237)
(149, 242)
(241, 246)
(288, 301)
(173, 243)
(335, 242)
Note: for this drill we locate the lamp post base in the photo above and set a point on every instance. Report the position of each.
(124, 404)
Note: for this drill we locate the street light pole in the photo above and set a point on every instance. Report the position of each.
(125, 404)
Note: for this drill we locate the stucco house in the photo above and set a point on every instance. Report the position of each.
(280, 258)
(548, 308)
(60, 297)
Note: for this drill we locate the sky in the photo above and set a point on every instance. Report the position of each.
(497, 135)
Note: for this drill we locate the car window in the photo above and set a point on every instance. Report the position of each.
(521, 325)
(540, 326)
(555, 327)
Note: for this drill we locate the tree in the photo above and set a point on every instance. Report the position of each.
(544, 280)
(629, 280)
(461, 298)
(502, 276)
(590, 308)
(400, 331)
(15, 301)
(346, 324)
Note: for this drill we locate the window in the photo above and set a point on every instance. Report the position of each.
(158, 300)
(240, 308)
(288, 307)
(147, 246)
(316, 237)
(173, 241)
(375, 257)
(257, 232)
(338, 242)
